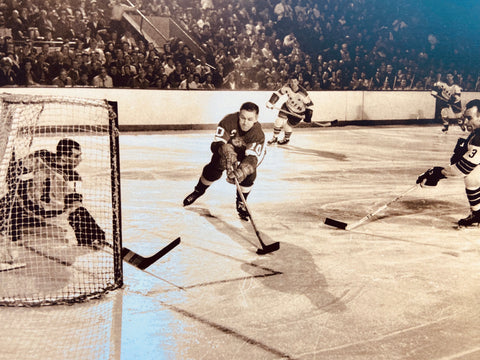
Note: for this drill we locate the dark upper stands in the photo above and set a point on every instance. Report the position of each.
(248, 44)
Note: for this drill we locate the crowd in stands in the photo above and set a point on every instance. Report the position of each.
(246, 44)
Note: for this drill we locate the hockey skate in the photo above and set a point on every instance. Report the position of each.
(190, 199)
(471, 220)
(242, 210)
(283, 142)
(272, 141)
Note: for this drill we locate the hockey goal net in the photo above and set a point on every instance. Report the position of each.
(60, 235)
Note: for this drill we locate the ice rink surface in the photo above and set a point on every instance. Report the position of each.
(404, 285)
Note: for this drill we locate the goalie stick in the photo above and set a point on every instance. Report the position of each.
(142, 262)
(345, 226)
(266, 249)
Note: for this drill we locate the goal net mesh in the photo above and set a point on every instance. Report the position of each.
(60, 235)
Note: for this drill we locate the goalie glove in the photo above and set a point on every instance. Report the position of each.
(240, 173)
(69, 199)
(228, 156)
(85, 227)
(431, 177)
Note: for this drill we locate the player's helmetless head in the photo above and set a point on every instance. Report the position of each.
(69, 152)
(449, 79)
(248, 115)
(294, 83)
(472, 115)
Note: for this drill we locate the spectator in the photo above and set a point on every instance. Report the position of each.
(62, 80)
(140, 81)
(26, 76)
(102, 80)
(176, 77)
(7, 75)
(117, 11)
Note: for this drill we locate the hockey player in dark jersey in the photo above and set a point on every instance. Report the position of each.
(238, 147)
(42, 186)
(296, 108)
(464, 162)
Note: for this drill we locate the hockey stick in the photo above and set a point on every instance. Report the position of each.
(436, 96)
(265, 248)
(325, 124)
(302, 117)
(289, 113)
(142, 262)
(345, 226)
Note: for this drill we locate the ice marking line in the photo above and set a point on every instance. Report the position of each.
(228, 331)
(205, 284)
(269, 272)
(274, 272)
(379, 338)
(162, 279)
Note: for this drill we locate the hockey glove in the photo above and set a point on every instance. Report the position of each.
(460, 150)
(228, 156)
(240, 173)
(86, 228)
(271, 102)
(69, 199)
(308, 115)
(431, 177)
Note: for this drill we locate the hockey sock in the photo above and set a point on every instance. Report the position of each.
(276, 131)
(86, 228)
(287, 135)
(473, 196)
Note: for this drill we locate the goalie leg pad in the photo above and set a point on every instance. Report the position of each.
(86, 228)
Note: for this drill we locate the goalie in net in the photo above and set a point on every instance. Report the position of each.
(44, 185)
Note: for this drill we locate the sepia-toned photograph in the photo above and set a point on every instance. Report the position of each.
(239, 179)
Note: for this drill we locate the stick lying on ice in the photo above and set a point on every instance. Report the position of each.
(345, 226)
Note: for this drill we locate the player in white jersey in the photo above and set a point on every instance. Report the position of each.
(464, 162)
(42, 186)
(448, 104)
(296, 108)
(238, 147)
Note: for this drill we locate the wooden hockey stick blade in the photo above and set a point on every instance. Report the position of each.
(266, 249)
(335, 223)
(144, 262)
(324, 124)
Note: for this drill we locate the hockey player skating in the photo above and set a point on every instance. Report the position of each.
(296, 108)
(238, 147)
(448, 104)
(464, 162)
(41, 187)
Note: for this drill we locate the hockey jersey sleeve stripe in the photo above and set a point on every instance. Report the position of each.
(218, 138)
(465, 166)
